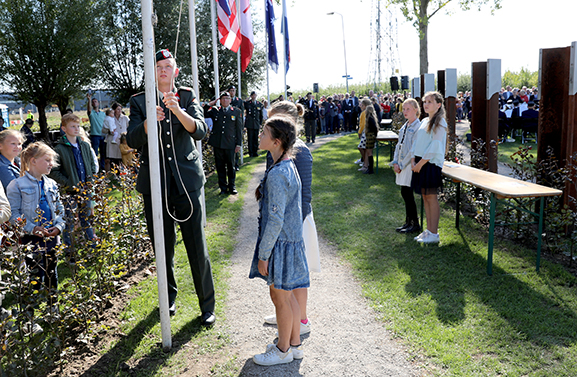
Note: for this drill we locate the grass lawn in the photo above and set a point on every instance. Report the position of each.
(439, 299)
(139, 345)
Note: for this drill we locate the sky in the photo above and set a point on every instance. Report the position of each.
(514, 34)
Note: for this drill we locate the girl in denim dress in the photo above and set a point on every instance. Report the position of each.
(34, 198)
(279, 256)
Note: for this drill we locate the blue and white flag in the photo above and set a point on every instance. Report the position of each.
(285, 33)
(272, 55)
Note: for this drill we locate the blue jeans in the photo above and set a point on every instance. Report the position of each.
(73, 209)
(99, 146)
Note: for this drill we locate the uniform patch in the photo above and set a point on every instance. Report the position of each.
(232, 117)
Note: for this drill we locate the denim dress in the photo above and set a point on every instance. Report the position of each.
(280, 239)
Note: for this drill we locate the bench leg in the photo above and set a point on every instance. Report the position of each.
(491, 236)
(458, 209)
(539, 236)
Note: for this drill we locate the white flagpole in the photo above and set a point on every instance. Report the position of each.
(151, 95)
(238, 69)
(194, 64)
(214, 50)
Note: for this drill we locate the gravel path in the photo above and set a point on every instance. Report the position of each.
(346, 339)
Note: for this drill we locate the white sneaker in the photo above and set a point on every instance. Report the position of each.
(430, 238)
(273, 356)
(363, 169)
(271, 319)
(423, 234)
(298, 352)
(305, 329)
(358, 161)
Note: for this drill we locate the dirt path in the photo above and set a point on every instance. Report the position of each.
(345, 340)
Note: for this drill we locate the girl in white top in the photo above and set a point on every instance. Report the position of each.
(428, 154)
(402, 164)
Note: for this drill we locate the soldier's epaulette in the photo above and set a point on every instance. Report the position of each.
(138, 94)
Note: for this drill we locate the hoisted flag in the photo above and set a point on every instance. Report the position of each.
(272, 55)
(247, 45)
(228, 29)
(285, 33)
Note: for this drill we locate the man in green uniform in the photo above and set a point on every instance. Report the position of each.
(252, 123)
(226, 139)
(180, 121)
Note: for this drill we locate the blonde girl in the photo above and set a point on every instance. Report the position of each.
(428, 154)
(35, 198)
(371, 130)
(10, 148)
(402, 164)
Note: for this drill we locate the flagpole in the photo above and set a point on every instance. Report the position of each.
(195, 86)
(267, 52)
(154, 165)
(214, 50)
(285, 47)
(238, 69)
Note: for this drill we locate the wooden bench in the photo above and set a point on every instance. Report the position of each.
(385, 137)
(502, 188)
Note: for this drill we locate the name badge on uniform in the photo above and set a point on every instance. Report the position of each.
(232, 117)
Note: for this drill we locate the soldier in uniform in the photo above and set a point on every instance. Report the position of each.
(226, 139)
(181, 122)
(239, 104)
(252, 123)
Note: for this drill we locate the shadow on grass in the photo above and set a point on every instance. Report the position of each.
(446, 283)
(113, 362)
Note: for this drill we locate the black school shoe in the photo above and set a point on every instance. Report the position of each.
(207, 319)
(172, 308)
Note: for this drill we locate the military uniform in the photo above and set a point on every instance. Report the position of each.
(239, 104)
(225, 137)
(181, 174)
(252, 123)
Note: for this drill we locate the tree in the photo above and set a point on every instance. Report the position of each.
(419, 12)
(123, 63)
(46, 51)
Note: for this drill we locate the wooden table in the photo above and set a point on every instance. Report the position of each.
(501, 187)
(385, 137)
(386, 123)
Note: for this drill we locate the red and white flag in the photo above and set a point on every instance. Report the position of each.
(228, 29)
(247, 45)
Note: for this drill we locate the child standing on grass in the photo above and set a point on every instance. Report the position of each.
(279, 256)
(371, 130)
(35, 199)
(77, 166)
(428, 154)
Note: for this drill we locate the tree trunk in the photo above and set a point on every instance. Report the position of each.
(423, 41)
(42, 122)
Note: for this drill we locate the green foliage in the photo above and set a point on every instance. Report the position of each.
(464, 82)
(90, 274)
(43, 50)
(519, 79)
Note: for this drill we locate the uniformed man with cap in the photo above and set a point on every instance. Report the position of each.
(180, 123)
(239, 104)
(252, 123)
(226, 139)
